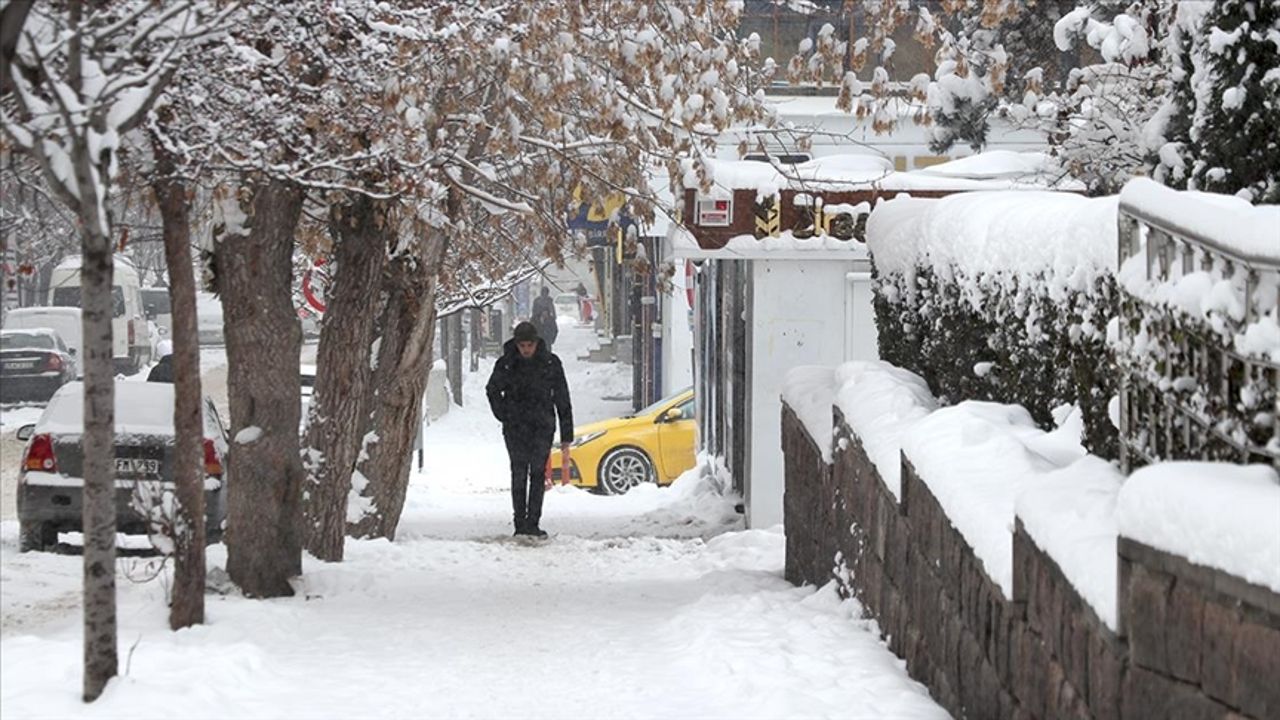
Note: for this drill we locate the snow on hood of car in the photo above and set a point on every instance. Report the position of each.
(142, 408)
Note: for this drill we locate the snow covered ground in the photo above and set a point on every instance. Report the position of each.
(654, 604)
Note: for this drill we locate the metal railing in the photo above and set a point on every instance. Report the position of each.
(1189, 393)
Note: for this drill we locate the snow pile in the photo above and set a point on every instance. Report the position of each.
(701, 502)
(1070, 514)
(1062, 240)
(974, 460)
(1214, 514)
(881, 402)
(809, 390)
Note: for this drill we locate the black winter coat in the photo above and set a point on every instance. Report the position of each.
(527, 395)
(163, 371)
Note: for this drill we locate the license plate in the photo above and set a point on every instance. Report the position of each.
(19, 365)
(137, 466)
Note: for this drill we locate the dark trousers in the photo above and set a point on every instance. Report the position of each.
(528, 451)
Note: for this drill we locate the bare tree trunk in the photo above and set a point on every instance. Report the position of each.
(339, 404)
(475, 317)
(453, 328)
(404, 360)
(188, 451)
(101, 662)
(264, 338)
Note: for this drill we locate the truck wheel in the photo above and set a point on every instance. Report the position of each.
(36, 536)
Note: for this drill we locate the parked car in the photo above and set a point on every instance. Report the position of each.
(50, 479)
(653, 445)
(34, 363)
(131, 341)
(65, 320)
(155, 304)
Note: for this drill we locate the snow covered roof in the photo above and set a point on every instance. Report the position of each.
(122, 265)
(1236, 227)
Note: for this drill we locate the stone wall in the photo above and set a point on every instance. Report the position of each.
(1201, 644)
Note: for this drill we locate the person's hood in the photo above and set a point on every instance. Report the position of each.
(509, 348)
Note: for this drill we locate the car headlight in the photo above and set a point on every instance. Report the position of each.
(584, 439)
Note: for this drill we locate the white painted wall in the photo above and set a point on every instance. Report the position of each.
(677, 336)
(799, 318)
(860, 341)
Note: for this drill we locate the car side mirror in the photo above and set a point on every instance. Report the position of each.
(25, 432)
(673, 415)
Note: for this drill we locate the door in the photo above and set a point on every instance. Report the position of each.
(675, 438)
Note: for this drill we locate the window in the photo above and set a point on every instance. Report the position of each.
(69, 296)
(21, 341)
(155, 302)
(686, 410)
(784, 159)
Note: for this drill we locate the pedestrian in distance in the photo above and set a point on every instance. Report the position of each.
(544, 317)
(528, 393)
(163, 371)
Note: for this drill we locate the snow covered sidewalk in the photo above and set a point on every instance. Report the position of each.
(653, 604)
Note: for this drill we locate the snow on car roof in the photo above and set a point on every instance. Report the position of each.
(142, 408)
(44, 310)
(29, 331)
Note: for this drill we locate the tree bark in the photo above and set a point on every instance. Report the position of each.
(98, 513)
(404, 361)
(339, 403)
(264, 338)
(188, 450)
(101, 661)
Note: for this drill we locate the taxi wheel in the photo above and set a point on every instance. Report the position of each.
(624, 468)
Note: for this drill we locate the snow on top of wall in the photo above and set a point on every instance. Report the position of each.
(1066, 238)
(880, 402)
(976, 457)
(808, 390)
(1231, 222)
(1070, 514)
(787, 241)
(995, 170)
(1214, 514)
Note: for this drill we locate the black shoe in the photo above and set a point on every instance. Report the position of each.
(520, 530)
(536, 532)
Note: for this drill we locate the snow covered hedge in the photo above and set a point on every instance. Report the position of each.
(1002, 296)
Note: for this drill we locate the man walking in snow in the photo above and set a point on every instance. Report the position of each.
(527, 392)
(544, 317)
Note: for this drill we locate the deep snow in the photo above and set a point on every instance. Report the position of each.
(654, 604)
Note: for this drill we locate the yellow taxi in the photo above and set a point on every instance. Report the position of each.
(653, 445)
